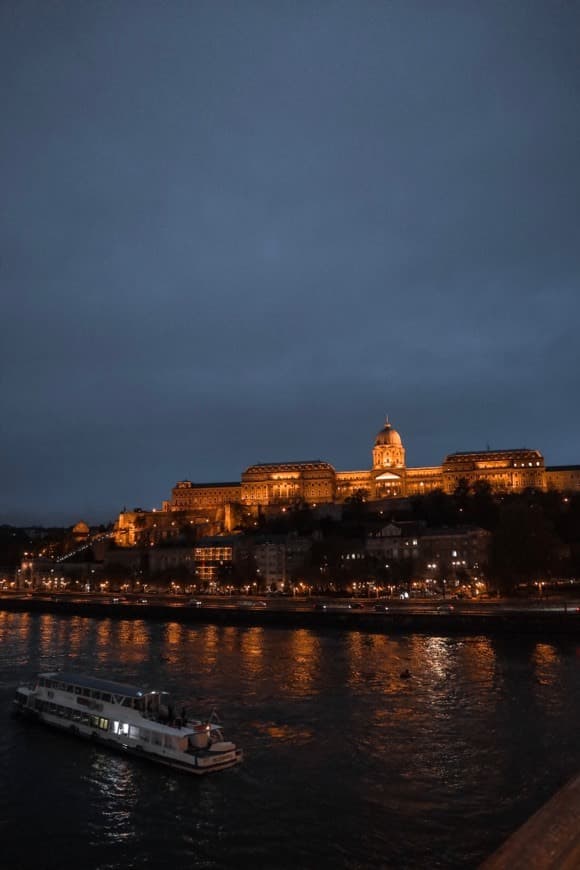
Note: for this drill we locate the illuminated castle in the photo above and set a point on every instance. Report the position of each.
(271, 485)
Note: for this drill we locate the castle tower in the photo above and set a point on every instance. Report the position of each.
(388, 451)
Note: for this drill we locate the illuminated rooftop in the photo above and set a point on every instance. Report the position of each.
(87, 682)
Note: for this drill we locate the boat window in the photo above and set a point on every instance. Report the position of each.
(78, 690)
(95, 721)
(69, 689)
(134, 732)
(152, 702)
(105, 696)
(87, 693)
(104, 724)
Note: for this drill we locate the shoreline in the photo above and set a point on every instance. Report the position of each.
(524, 622)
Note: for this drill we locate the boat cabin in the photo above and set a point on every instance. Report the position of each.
(149, 704)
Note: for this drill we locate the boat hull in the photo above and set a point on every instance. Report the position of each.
(198, 764)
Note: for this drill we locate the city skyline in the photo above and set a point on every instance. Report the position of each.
(233, 235)
(505, 459)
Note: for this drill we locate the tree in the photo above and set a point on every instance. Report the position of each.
(437, 508)
(483, 507)
(523, 548)
(462, 493)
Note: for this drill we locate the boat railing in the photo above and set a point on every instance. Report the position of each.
(28, 684)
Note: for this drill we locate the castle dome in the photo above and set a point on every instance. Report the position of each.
(81, 531)
(388, 436)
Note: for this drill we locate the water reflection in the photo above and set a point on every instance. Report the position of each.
(173, 641)
(305, 655)
(15, 636)
(437, 657)
(48, 625)
(229, 639)
(11, 622)
(479, 660)
(285, 733)
(119, 646)
(211, 643)
(550, 693)
(479, 731)
(75, 634)
(114, 778)
(546, 660)
(252, 649)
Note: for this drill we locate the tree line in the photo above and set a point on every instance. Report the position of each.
(535, 535)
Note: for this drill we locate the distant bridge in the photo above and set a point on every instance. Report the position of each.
(102, 536)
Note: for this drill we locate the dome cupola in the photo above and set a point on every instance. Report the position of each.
(388, 436)
(388, 451)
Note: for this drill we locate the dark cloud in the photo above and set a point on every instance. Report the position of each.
(242, 232)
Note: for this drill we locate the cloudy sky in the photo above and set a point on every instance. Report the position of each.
(234, 232)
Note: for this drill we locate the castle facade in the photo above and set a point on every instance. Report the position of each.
(270, 485)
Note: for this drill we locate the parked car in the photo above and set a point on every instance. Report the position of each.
(445, 608)
(381, 608)
(194, 602)
(332, 606)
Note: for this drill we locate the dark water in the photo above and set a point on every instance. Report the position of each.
(347, 765)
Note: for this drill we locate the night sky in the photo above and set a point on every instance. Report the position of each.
(239, 232)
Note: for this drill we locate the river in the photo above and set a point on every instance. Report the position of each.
(348, 765)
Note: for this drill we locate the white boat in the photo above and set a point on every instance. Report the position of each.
(127, 718)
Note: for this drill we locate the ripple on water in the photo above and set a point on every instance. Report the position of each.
(347, 764)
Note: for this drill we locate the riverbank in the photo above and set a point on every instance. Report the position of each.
(457, 621)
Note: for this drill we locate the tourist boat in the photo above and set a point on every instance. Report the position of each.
(127, 718)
